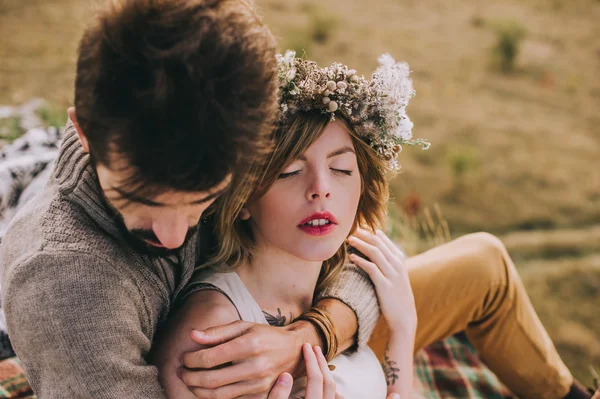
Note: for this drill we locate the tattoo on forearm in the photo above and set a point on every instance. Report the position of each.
(389, 368)
(277, 320)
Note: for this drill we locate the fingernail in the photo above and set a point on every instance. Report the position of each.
(318, 349)
(394, 396)
(199, 333)
(285, 379)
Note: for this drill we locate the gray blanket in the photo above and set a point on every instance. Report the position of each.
(25, 167)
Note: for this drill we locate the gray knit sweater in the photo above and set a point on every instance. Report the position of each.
(82, 307)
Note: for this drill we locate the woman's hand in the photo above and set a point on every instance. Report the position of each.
(385, 266)
(320, 384)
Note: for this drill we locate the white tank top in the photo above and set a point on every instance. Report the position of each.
(357, 376)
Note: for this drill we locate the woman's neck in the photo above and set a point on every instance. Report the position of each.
(282, 284)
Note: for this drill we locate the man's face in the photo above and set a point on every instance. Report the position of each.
(162, 222)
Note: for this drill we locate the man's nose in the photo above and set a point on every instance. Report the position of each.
(171, 233)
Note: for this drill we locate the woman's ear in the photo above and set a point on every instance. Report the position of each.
(245, 214)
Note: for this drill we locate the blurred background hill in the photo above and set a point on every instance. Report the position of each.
(508, 92)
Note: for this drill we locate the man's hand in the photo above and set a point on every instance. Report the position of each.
(245, 358)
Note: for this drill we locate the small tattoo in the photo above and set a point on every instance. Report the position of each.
(389, 369)
(277, 320)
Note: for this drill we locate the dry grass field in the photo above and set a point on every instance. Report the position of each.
(516, 146)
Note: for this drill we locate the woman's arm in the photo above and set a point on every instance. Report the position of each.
(202, 310)
(398, 363)
(351, 302)
(385, 266)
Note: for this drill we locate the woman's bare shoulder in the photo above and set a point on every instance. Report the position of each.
(199, 311)
(210, 307)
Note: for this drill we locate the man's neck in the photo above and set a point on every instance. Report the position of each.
(281, 283)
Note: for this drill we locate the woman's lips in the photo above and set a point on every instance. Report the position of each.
(319, 215)
(317, 230)
(318, 224)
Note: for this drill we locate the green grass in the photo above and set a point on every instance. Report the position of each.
(509, 38)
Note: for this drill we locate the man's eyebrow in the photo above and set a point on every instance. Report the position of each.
(335, 153)
(148, 202)
(209, 197)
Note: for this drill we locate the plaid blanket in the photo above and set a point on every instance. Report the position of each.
(13, 383)
(452, 369)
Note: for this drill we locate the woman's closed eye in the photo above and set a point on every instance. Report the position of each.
(288, 174)
(342, 171)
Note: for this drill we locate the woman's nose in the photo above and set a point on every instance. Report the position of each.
(319, 188)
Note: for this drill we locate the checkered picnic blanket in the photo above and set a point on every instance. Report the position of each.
(13, 383)
(452, 369)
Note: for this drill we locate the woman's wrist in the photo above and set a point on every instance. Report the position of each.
(403, 331)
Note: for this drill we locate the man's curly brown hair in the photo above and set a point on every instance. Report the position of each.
(183, 90)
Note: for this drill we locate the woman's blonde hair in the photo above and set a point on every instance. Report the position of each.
(234, 236)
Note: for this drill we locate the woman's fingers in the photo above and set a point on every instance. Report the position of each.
(328, 381)
(314, 385)
(372, 252)
(369, 267)
(390, 245)
(372, 238)
(282, 388)
(320, 382)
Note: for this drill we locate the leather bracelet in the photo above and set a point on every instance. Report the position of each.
(324, 325)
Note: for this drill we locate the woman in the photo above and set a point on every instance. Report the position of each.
(334, 150)
(337, 143)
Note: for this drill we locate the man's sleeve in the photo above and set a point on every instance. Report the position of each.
(355, 289)
(78, 327)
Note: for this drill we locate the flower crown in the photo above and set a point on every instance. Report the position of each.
(376, 109)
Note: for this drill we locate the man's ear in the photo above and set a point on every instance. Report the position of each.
(82, 138)
(245, 214)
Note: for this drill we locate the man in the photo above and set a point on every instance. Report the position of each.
(174, 99)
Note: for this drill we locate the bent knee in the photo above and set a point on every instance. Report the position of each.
(484, 257)
(485, 242)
